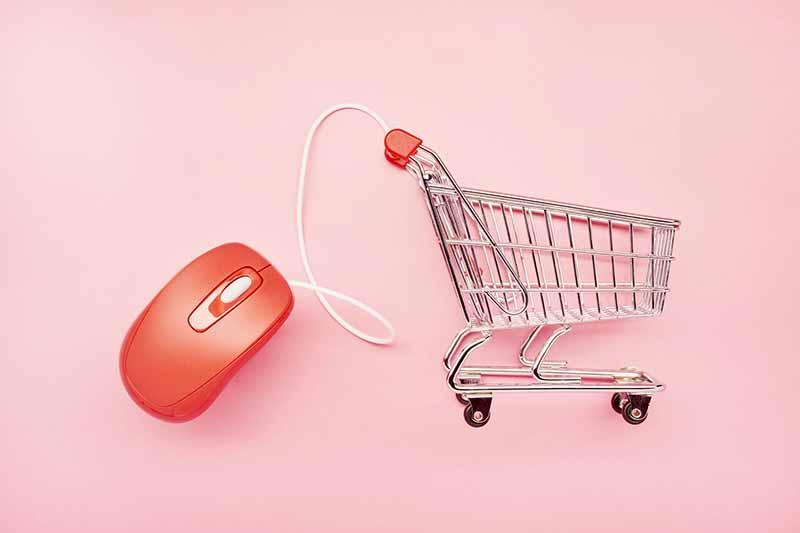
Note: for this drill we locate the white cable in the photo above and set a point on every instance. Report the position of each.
(311, 284)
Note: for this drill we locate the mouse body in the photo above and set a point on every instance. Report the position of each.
(199, 330)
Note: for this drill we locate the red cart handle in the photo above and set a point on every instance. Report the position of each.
(400, 145)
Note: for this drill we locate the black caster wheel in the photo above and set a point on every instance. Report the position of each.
(461, 399)
(616, 403)
(635, 412)
(476, 419)
(477, 412)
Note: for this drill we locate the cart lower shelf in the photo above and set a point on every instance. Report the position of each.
(632, 388)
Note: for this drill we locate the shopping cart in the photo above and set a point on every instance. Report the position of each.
(519, 262)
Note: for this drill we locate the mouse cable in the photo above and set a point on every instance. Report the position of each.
(311, 284)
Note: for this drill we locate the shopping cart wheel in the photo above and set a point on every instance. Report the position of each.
(478, 412)
(616, 402)
(635, 410)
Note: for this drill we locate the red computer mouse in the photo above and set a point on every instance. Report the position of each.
(200, 329)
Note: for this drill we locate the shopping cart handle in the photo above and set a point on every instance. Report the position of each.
(400, 145)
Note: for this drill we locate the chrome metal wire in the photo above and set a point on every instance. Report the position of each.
(520, 262)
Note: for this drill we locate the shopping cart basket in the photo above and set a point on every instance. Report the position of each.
(519, 262)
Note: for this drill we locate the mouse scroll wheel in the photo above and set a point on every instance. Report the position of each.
(235, 289)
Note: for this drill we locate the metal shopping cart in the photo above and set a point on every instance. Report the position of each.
(519, 262)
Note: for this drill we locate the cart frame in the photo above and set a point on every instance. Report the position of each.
(541, 285)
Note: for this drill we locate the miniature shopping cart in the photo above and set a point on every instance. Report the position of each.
(519, 262)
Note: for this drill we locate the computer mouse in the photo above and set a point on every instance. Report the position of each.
(200, 329)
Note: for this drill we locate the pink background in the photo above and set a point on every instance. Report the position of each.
(134, 138)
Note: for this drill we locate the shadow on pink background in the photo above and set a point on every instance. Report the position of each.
(134, 138)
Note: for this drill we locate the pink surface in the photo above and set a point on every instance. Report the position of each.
(134, 138)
